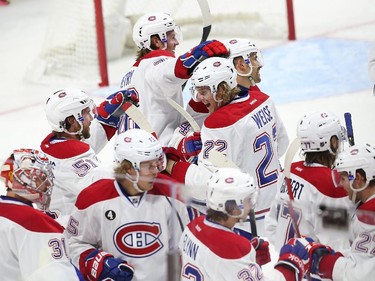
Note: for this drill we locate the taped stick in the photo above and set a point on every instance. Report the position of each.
(349, 128)
(292, 150)
(134, 113)
(207, 19)
(194, 125)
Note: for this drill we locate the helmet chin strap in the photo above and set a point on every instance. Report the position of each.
(79, 132)
(248, 75)
(134, 182)
(357, 190)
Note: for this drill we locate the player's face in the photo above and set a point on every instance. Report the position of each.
(147, 174)
(204, 95)
(87, 115)
(345, 183)
(172, 40)
(255, 73)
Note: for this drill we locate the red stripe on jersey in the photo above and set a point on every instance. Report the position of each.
(66, 148)
(153, 54)
(109, 131)
(30, 218)
(225, 244)
(366, 212)
(320, 177)
(229, 114)
(100, 190)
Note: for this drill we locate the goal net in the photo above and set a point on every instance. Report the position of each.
(73, 49)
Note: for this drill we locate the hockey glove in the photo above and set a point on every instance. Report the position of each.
(190, 146)
(315, 250)
(294, 256)
(262, 249)
(189, 61)
(173, 154)
(103, 266)
(110, 110)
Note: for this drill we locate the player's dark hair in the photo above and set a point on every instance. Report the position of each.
(144, 51)
(121, 169)
(216, 216)
(227, 94)
(324, 158)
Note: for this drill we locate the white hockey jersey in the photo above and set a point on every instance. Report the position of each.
(359, 262)
(139, 229)
(312, 186)
(249, 132)
(32, 245)
(212, 252)
(75, 166)
(154, 78)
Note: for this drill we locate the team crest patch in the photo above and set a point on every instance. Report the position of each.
(138, 239)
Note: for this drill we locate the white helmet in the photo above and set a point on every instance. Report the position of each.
(239, 47)
(357, 157)
(316, 129)
(152, 24)
(65, 103)
(229, 188)
(136, 146)
(26, 172)
(211, 72)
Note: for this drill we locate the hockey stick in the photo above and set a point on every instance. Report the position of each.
(349, 128)
(134, 113)
(218, 159)
(292, 150)
(194, 125)
(206, 16)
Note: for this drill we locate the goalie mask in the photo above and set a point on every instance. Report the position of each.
(354, 158)
(153, 24)
(211, 72)
(232, 192)
(316, 129)
(65, 103)
(28, 174)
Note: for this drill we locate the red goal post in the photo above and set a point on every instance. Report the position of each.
(83, 35)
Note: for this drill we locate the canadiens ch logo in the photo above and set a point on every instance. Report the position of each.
(138, 239)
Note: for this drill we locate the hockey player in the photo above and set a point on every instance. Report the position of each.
(121, 221)
(230, 195)
(245, 127)
(158, 74)
(76, 139)
(356, 166)
(32, 243)
(321, 136)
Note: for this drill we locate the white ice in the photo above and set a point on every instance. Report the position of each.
(22, 27)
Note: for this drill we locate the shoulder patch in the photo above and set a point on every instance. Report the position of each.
(231, 113)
